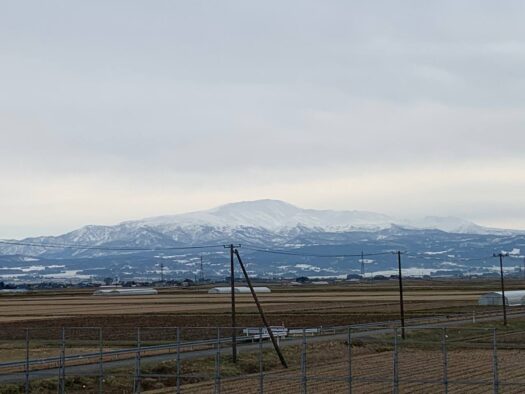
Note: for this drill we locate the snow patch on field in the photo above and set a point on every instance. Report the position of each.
(436, 253)
(308, 267)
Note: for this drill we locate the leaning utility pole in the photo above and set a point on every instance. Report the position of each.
(401, 303)
(232, 288)
(503, 299)
(259, 307)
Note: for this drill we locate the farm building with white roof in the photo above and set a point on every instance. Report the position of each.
(512, 297)
(240, 290)
(125, 291)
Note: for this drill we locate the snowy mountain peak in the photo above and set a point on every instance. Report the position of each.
(250, 207)
(272, 215)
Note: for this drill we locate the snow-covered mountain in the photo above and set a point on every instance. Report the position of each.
(279, 216)
(315, 235)
(273, 215)
(261, 222)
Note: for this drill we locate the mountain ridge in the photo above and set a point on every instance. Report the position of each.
(258, 222)
(317, 237)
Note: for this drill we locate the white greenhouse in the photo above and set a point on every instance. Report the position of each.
(512, 298)
(240, 290)
(125, 291)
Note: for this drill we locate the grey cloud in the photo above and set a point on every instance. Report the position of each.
(203, 88)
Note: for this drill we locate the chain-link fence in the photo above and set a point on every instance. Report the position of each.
(320, 360)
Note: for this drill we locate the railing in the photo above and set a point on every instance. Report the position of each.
(362, 357)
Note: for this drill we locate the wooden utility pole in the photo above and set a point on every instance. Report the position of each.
(232, 286)
(261, 313)
(503, 299)
(401, 303)
(201, 276)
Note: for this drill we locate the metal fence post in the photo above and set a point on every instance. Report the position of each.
(101, 361)
(304, 380)
(27, 363)
(495, 362)
(138, 383)
(350, 360)
(178, 360)
(445, 358)
(261, 362)
(217, 387)
(396, 365)
(62, 379)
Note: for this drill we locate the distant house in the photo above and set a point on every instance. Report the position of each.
(302, 279)
(187, 283)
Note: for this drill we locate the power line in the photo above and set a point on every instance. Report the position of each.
(90, 247)
(455, 258)
(284, 252)
(252, 248)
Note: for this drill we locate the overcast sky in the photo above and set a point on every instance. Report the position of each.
(116, 110)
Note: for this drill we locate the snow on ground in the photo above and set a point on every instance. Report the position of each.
(450, 264)
(33, 268)
(308, 267)
(67, 274)
(29, 259)
(417, 272)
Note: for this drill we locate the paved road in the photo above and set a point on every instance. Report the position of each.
(358, 331)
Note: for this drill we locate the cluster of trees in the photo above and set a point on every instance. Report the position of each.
(7, 286)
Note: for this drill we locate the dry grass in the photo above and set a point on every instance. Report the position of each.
(420, 371)
(353, 297)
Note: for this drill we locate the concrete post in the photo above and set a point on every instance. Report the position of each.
(138, 383)
(445, 358)
(395, 389)
(178, 360)
(101, 361)
(349, 360)
(304, 379)
(261, 362)
(26, 385)
(62, 379)
(217, 388)
(495, 363)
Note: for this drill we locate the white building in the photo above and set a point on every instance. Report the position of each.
(125, 291)
(240, 290)
(512, 298)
